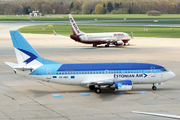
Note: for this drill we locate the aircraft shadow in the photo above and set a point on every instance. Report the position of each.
(158, 89)
(105, 95)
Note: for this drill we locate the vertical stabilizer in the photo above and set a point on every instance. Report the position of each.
(25, 53)
(74, 26)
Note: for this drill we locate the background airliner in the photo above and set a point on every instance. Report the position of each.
(115, 38)
(116, 76)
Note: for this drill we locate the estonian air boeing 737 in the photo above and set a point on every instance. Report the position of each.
(116, 76)
(115, 38)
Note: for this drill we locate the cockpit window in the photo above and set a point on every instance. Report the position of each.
(163, 69)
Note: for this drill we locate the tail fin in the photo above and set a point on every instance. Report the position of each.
(26, 56)
(75, 29)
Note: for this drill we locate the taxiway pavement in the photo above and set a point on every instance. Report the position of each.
(23, 98)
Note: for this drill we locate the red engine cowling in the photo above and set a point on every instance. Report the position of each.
(119, 43)
(123, 85)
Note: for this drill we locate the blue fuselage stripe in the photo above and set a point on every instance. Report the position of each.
(107, 66)
(98, 68)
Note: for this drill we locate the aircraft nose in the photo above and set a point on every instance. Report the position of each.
(172, 74)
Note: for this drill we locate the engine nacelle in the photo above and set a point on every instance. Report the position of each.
(123, 85)
(119, 42)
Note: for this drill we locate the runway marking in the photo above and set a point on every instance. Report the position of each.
(119, 93)
(84, 94)
(66, 92)
(57, 95)
(143, 92)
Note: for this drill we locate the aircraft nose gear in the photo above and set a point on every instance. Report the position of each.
(154, 87)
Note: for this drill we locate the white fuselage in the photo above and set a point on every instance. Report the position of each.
(84, 79)
(104, 37)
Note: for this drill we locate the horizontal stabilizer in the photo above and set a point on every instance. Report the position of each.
(77, 35)
(11, 64)
(16, 66)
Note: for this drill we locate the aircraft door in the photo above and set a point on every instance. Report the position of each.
(153, 71)
(48, 73)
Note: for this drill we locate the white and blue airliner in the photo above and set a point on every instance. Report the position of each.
(116, 76)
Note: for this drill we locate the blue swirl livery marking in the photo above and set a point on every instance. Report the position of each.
(119, 85)
(32, 56)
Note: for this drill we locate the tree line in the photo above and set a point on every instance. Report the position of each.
(89, 7)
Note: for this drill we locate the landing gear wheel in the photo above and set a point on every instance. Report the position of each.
(94, 45)
(154, 87)
(124, 44)
(92, 87)
(97, 90)
(106, 45)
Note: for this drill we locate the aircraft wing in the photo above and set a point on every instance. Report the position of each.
(106, 82)
(100, 82)
(156, 114)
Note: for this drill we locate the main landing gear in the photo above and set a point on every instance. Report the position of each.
(154, 87)
(96, 89)
(94, 45)
(92, 87)
(107, 45)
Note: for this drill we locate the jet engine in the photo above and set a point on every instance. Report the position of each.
(118, 42)
(123, 85)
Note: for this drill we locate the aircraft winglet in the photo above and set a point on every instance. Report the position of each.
(156, 114)
(55, 33)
